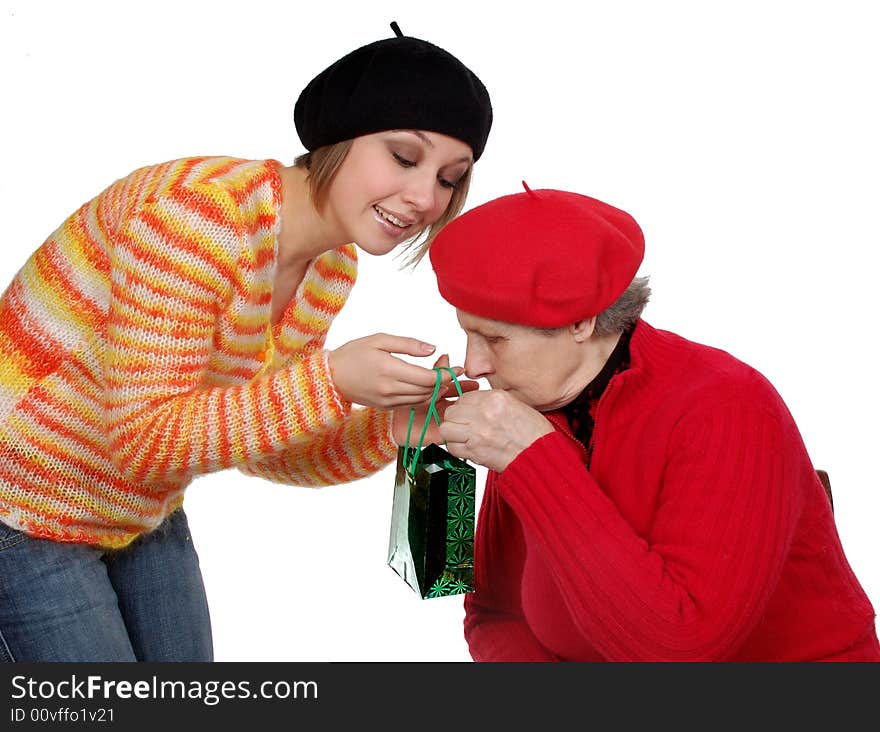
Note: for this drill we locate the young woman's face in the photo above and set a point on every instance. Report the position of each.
(393, 184)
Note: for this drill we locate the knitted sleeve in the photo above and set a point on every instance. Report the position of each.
(696, 585)
(359, 446)
(494, 626)
(169, 283)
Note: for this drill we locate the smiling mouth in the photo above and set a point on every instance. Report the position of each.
(392, 219)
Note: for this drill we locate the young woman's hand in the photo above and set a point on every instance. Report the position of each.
(401, 414)
(364, 371)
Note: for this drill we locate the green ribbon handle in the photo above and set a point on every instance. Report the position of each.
(432, 413)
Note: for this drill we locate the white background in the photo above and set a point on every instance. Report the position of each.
(742, 136)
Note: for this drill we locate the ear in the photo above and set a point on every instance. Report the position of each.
(583, 329)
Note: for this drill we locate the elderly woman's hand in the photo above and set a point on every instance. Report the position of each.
(491, 428)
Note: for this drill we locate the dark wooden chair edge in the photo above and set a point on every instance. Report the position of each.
(826, 484)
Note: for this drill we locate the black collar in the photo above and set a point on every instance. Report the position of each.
(618, 361)
(578, 412)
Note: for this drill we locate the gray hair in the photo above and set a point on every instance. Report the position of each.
(623, 313)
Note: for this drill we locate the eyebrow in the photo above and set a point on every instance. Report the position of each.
(482, 333)
(424, 138)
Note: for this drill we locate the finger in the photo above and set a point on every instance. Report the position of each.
(401, 344)
(404, 401)
(407, 395)
(455, 415)
(450, 391)
(442, 405)
(476, 397)
(446, 368)
(462, 414)
(446, 377)
(459, 449)
(410, 373)
(454, 432)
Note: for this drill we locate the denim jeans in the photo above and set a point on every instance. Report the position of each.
(74, 602)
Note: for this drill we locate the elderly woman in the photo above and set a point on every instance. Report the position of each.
(648, 498)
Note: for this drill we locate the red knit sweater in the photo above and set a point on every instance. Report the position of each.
(700, 531)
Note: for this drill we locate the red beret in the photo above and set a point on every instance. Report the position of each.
(544, 258)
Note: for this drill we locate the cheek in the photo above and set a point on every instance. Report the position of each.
(355, 180)
(442, 203)
(522, 368)
(340, 192)
(349, 198)
(544, 370)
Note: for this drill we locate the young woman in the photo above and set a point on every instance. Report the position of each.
(174, 326)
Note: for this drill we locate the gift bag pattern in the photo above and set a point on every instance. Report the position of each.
(432, 523)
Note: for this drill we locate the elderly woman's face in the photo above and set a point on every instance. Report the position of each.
(545, 370)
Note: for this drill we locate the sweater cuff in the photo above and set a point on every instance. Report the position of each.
(553, 459)
(554, 445)
(387, 446)
(339, 405)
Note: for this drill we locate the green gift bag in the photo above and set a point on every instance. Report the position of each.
(432, 516)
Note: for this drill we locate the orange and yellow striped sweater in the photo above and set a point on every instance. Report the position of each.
(137, 353)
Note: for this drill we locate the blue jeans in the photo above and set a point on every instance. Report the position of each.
(74, 602)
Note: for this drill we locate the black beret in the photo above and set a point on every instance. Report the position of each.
(395, 83)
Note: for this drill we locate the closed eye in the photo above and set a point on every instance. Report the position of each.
(407, 163)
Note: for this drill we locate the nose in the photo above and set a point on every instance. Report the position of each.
(421, 191)
(477, 360)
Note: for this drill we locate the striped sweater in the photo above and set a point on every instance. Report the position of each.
(138, 353)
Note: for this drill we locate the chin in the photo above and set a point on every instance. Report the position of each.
(519, 396)
(373, 251)
(377, 249)
(530, 401)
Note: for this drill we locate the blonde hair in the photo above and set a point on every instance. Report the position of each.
(322, 165)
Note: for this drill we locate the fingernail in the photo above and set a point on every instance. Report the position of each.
(428, 348)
